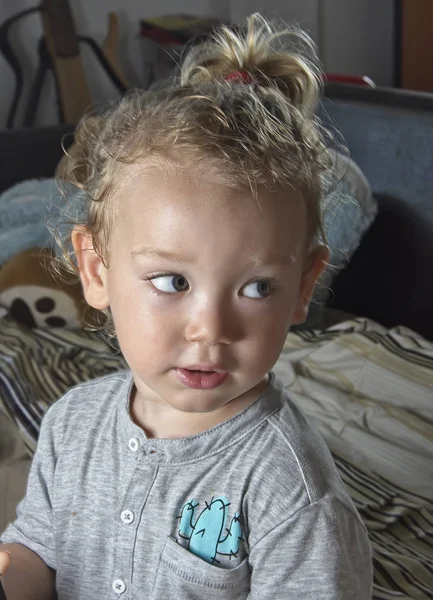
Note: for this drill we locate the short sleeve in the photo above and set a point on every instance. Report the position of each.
(321, 552)
(33, 526)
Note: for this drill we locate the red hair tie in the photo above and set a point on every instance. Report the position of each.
(240, 77)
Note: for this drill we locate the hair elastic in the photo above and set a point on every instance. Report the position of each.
(240, 77)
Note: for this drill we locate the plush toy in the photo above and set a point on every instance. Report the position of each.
(34, 297)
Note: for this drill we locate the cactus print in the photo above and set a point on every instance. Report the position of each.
(206, 530)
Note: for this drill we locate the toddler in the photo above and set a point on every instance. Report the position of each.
(193, 475)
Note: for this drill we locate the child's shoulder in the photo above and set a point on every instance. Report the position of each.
(292, 473)
(299, 449)
(87, 399)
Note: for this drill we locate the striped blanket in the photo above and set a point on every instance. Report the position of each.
(37, 366)
(368, 390)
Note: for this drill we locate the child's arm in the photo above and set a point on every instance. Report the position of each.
(27, 577)
(321, 552)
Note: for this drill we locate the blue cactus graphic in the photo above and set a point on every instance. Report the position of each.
(205, 533)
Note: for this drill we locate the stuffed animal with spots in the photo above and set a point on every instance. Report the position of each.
(31, 294)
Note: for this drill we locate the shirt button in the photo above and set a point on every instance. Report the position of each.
(127, 516)
(134, 444)
(119, 586)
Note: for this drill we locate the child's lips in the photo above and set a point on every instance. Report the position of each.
(200, 379)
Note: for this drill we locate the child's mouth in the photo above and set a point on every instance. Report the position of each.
(200, 379)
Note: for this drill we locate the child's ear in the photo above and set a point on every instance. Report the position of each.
(315, 266)
(91, 267)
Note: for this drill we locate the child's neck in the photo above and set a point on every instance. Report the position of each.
(161, 421)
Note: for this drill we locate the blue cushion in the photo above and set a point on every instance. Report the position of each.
(349, 211)
(26, 210)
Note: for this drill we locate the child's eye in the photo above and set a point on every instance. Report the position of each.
(170, 284)
(258, 289)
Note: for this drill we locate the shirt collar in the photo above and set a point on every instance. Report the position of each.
(212, 441)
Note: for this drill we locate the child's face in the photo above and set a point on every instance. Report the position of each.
(199, 276)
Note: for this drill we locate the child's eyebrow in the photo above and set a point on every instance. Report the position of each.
(277, 260)
(157, 253)
(256, 261)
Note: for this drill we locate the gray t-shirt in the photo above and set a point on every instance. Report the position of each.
(252, 508)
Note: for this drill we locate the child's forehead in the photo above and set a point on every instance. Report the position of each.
(176, 207)
(193, 199)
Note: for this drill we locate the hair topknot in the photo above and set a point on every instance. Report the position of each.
(284, 58)
(263, 133)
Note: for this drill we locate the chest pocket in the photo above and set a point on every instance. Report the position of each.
(181, 575)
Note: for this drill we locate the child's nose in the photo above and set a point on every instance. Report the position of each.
(213, 324)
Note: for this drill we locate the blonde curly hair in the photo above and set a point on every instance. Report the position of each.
(244, 101)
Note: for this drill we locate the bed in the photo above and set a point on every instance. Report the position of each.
(361, 368)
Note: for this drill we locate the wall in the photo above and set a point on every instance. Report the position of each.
(359, 38)
(304, 12)
(354, 36)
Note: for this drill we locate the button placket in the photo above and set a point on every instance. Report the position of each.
(143, 462)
